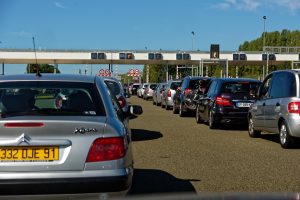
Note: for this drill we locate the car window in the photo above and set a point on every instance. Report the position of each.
(175, 85)
(153, 86)
(194, 84)
(239, 87)
(284, 85)
(50, 98)
(265, 88)
(212, 88)
(113, 86)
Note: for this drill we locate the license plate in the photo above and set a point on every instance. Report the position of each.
(244, 105)
(29, 153)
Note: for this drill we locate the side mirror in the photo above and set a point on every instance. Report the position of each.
(135, 109)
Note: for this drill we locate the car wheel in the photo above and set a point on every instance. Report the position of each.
(181, 112)
(286, 140)
(212, 121)
(175, 110)
(198, 118)
(167, 107)
(252, 133)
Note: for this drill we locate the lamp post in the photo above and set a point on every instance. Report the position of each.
(193, 36)
(264, 43)
(264, 37)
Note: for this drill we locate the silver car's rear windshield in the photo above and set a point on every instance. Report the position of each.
(50, 98)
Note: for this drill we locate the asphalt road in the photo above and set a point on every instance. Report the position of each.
(174, 154)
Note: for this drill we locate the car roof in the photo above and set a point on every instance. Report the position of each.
(237, 79)
(49, 77)
(297, 71)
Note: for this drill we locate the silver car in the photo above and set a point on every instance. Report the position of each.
(157, 93)
(140, 91)
(117, 89)
(168, 93)
(277, 107)
(75, 144)
(148, 91)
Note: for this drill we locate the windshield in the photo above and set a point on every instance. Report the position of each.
(50, 98)
(175, 85)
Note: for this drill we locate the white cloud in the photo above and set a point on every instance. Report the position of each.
(57, 4)
(252, 5)
(292, 5)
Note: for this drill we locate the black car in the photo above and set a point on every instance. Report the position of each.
(227, 101)
(186, 93)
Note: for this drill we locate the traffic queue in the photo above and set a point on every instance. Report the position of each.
(270, 106)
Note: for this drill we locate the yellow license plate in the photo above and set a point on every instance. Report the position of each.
(29, 153)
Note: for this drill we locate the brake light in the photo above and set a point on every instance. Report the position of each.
(169, 93)
(122, 101)
(222, 101)
(294, 107)
(105, 149)
(23, 124)
(187, 90)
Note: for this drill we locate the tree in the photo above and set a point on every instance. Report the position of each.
(43, 68)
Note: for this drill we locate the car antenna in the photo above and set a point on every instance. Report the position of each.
(36, 63)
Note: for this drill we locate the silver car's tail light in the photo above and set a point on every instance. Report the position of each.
(23, 124)
(105, 149)
(294, 107)
(169, 93)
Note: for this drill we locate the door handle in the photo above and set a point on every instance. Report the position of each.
(277, 104)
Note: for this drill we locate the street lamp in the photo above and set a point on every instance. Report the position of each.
(264, 43)
(264, 36)
(193, 35)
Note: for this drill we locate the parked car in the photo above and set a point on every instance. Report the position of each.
(148, 91)
(140, 91)
(227, 101)
(82, 145)
(117, 89)
(134, 88)
(157, 93)
(168, 93)
(184, 99)
(277, 107)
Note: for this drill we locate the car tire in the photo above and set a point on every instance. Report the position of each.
(181, 112)
(252, 133)
(198, 118)
(167, 107)
(162, 105)
(286, 140)
(175, 110)
(212, 121)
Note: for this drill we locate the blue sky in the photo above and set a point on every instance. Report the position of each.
(140, 24)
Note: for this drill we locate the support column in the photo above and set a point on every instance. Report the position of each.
(3, 68)
(167, 73)
(147, 74)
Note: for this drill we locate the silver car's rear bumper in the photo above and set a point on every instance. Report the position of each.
(65, 182)
(294, 124)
